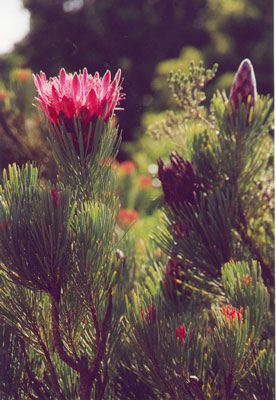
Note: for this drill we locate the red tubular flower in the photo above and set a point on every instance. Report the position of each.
(230, 312)
(145, 181)
(127, 167)
(244, 85)
(55, 196)
(149, 314)
(127, 217)
(180, 334)
(80, 95)
(246, 279)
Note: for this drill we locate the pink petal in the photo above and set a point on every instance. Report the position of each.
(62, 79)
(84, 77)
(43, 77)
(118, 76)
(38, 83)
(68, 107)
(55, 94)
(92, 100)
(52, 114)
(76, 86)
(105, 82)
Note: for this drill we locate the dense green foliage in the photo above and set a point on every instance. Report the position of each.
(105, 295)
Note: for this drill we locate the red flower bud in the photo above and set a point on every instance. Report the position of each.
(55, 195)
(180, 334)
(229, 313)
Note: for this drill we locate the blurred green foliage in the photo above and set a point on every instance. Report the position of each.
(139, 36)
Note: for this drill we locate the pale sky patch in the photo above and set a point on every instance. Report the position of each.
(14, 24)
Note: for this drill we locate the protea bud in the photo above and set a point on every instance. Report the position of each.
(244, 85)
(179, 181)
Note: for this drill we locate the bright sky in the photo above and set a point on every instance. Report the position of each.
(14, 23)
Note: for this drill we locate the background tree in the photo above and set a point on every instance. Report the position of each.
(135, 36)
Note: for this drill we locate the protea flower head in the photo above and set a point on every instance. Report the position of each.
(244, 84)
(179, 181)
(78, 95)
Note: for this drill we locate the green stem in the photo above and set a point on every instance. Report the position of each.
(48, 359)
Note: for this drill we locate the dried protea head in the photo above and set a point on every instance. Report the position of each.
(244, 85)
(179, 181)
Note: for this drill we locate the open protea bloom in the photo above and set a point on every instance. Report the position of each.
(78, 95)
(83, 96)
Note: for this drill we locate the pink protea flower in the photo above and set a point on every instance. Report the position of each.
(80, 95)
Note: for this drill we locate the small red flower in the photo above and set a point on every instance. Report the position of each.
(22, 74)
(229, 313)
(145, 181)
(246, 279)
(3, 94)
(127, 217)
(180, 334)
(127, 167)
(55, 195)
(149, 314)
(6, 227)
